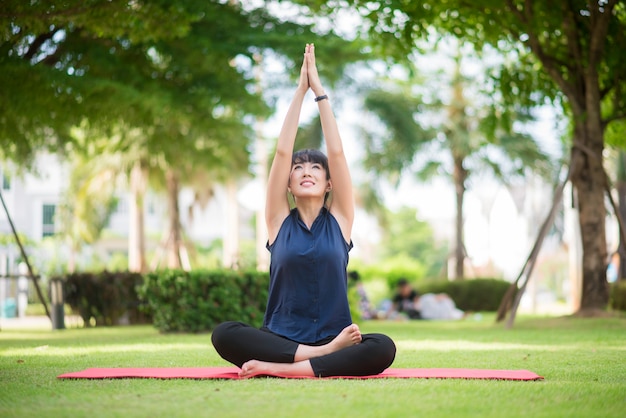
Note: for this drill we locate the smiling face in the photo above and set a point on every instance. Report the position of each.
(308, 180)
(309, 175)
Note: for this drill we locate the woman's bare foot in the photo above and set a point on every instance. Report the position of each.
(262, 368)
(350, 335)
(253, 368)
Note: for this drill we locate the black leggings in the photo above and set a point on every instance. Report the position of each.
(238, 343)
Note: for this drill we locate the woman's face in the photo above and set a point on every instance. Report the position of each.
(405, 290)
(308, 179)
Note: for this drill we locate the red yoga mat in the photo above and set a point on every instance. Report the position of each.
(232, 373)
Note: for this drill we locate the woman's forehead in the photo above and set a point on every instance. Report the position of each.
(306, 162)
(309, 156)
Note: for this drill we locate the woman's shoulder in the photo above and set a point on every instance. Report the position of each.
(286, 223)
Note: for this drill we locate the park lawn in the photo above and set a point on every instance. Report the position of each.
(582, 360)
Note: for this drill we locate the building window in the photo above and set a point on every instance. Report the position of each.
(6, 182)
(47, 229)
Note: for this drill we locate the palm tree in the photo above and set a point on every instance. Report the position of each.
(460, 138)
(89, 199)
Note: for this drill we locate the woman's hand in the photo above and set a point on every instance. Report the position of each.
(303, 83)
(314, 78)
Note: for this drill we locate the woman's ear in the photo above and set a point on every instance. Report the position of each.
(329, 186)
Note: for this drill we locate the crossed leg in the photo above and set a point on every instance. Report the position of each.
(301, 366)
(260, 352)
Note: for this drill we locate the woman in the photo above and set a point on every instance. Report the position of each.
(307, 329)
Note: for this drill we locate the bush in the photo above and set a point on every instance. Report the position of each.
(104, 297)
(199, 300)
(470, 294)
(618, 295)
(392, 270)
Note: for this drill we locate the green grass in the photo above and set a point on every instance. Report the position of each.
(583, 362)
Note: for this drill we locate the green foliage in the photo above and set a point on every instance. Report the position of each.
(481, 294)
(615, 134)
(407, 238)
(50, 257)
(118, 261)
(392, 269)
(618, 296)
(47, 57)
(475, 129)
(208, 257)
(181, 72)
(88, 201)
(469, 133)
(354, 299)
(392, 153)
(169, 85)
(9, 239)
(104, 297)
(197, 301)
(571, 51)
(595, 30)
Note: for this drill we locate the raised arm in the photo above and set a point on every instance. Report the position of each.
(342, 204)
(276, 203)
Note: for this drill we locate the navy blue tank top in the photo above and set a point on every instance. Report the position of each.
(308, 280)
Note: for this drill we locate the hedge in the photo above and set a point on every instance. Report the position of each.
(470, 294)
(618, 295)
(107, 298)
(199, 300)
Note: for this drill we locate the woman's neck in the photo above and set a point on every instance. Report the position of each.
(308, 210)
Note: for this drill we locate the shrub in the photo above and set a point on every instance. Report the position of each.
(393, 269)
(354, 299)
(199, 300)
(471, 294)
(618, 295)
(105, 297)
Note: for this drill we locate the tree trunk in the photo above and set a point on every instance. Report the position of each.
(459, 186)
(174, 242)
(589, 182)
(621, 196)
(136, 231)
(579, 80)
(230, 252)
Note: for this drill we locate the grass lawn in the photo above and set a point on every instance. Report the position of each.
(583, 362)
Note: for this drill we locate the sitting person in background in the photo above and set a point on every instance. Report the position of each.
(408, 302)
(404, 302)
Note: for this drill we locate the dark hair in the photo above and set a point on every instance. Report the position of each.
(354, 275)
(311, 156)
(402, 282)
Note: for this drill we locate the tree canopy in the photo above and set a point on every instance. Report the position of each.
(569, 52)
(454, 129)
(171, 84)
(175, 69)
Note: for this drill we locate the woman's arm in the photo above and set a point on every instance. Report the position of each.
(276, 203)
(342, 205)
